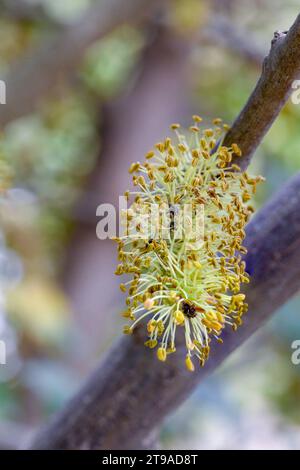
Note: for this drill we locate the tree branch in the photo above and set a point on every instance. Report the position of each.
(280, 68)
(131, 392)
(35, 77)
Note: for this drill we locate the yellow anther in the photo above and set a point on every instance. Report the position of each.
(197, 118)
(151, 343)
(179, 317)
(189, 364)
(162, 354)
(208, 132)
(150, 155)
(127, 330)
(134, 167)
(217, 121)
(236, 149)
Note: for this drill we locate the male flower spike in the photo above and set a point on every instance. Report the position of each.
(175, 285)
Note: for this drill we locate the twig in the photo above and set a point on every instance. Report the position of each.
(35, 77)
(280, 68)
(131, 392)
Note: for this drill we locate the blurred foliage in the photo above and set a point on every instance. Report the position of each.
(52, 152)
(6, 171)
(40, 310)
(109, 62)
(68, 10)
(14, 39)
(187, 16)
(9, 402)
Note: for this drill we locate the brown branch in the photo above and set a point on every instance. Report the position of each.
(35, 77)
(280, 69)
(131, 392)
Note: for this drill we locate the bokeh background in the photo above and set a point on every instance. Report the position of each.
(59, 299)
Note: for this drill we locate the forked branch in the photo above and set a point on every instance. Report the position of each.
(131, 392)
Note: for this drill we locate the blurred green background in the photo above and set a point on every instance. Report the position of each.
(59, 301)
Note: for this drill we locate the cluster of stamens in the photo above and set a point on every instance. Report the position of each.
(175, 283)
